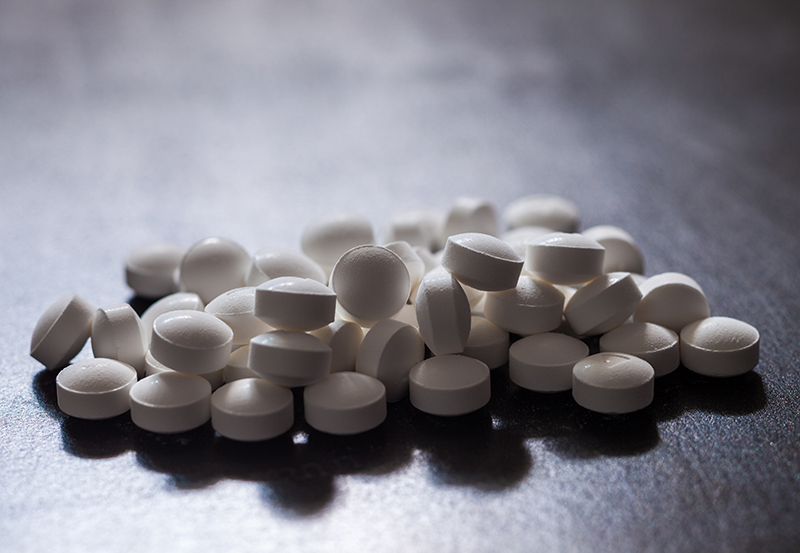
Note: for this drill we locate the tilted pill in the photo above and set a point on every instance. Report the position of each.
(269, 263)
(470, 215)
(388, 352)
(443, 313)
(672, 300)
(543, 210)
(544, 362)
(419, 228)
(95, 388)
(326, 238)
(191, 342)
(236, 308)
(532, 307)
(414, 263)
(720, 346)
(174, 302)
(613, 383)
(520, 237)
(252, 409)
(345, 403)
(603, 304)
(289, 358)
(213, 266)
(344, 339)
(153, 366)
(237, 368)
(294, 303)
(430, 261)
(656, 344)
(449, 385)
(170, 402)
(62, 331)
(118, 333)
(562, 258)
(487, 342)
(622, 252)
(150, 270)
(482, 261)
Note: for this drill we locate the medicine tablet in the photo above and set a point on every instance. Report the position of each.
(344, 339)
(213, 266)
(252, 409)
(487, 342)
(237, 368)
(672, 300)
(532, 307)
(326, 238)
(520, 237)
(95, 388)
(543, 210)
(603, 304)
(443, 313)
(449, 385)
(544, 362)
(191, 342)
(613, 383)
(470, 215)
(294, 303)
(622, 252)
(388, 352)
(561, 258)
(174, 302)
(236, 308)
(430, 260)
(62, 331)
(655, 344)
(482, 261)
(170, 402)
(345, 403)
(720, 346)
(408, 315)
(269, 263)
(419, 228)
(414, 263)
(118, 333)
(289, 358)
(150, 270)
(152, 366)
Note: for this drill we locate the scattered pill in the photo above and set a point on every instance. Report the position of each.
(295, 303)
(622, 252)
(543, 210)
(213, 266)
(118, 333)
(672, 300)
(191, 342)
(443, 313)
(326, 238)
(252, 409)
(95, 388)
(532, 307)
(487, 342)
(470, 215)
(562, 258)
(269, 263)
(419, 228)
(414, 263)
(656, 344)
(170, 402)
(482, 261)
(345, 403)
(289, 358)
(613, 383)
(449, 385)
(153, 366)
(174, 302)
(344, 339)
(236, 308)
(520, 237)
(388, 352)
(544, 362)
(62, 331)
(430, 260)
(719, 346)
(603, 304)
(150, 270)
(237, 368)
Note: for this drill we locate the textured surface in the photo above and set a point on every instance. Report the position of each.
(128, 123)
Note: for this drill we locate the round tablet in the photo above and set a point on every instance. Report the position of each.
(532, 307)
(563, 258)
(344, 339)
(603, 304)
(655, 344)
(191, 342)
(170, 402)
(719, 346)
(543, 210)
(236, 308)
(252, 409)
(153, 366)
(326, 238)
(269, 263)
(174, 302)
(417, 227)
(62, 331)
(289, 358)
(237, 368)
(470, 215)
(213, 266)
(672, 300)
(487, 342)
(95, 388)
(414, 263)
(345, 403)
(118, 333)
(622, 252)
(443, 313)
(613, 383)
(482, 261)
(449, 385)
(150, 270)
(520, 237)
(294, 303)
(388, 352)
(544, 362)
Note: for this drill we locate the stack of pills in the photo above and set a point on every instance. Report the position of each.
(427, 316)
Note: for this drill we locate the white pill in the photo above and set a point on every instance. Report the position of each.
(174, 302)
(430, 260)
(295, 303)
(150, 270)
(170, 402)
(655, 344)
(543, 210)
(371, 283)
(408, 315)
(153, 366)
(482, 261)
(236, 308)
(289, 358)
(561, 258)
(443, 313)
(414, 263)
(530, 308)
(470, 215)
(237, 368)
(520, 237)
(62, 331)
(418, 228)
(269, 263)
(613, 383)
(325, 239)
(603, 304)
(344, 339)
(95, 388)
(213, 266)
(388, 352)
(345, 403)
(544, 362)
(487, 342)
(251, 410)
(719, 346)
(622, 252)
(449, 385)
(672, 300)
(118, 333)
(191, 342)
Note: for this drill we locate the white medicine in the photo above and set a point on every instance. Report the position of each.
(443, 313)
(326, 238)
(520, 237)
(118, 333)
(470, 215)
(237, 368)
(414, 263)
(487, 342)
(345, 403)
(603, 304)
(544, 362)
(420, 228)
(191, 342)
(174, 302)
(656, 344)
(213, 266)
(622, 252)
(252, 409)
(170, 402)
(408, 315)
(344, 339)
(62, 331)
(294, 303)
(449, 385)
(563, 258)
(236, 308)
(95, 388)
(289, 358)
(269, 263)
(388, 352)
(543, 210)
(482, 261)
(720, 346)
(613, 383)
(150, 270)
(532, 307)
(672, 300)
(153, 366)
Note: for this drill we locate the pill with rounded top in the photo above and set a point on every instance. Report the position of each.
(414, 263)
(720, 346)
(326, 238)
(487, 342)
(532, 307)
(543, 210)
(429, 259)
(371, 283)
(449, 385)
(150, 270)
(482, 261)
(443, 313)
(289, 358)
(295, 303)
(544, 362)
(153, 366)
(470, 215)
(344, 339)
(417, 227)
(603, 304)
(170, 402)
(269, 263)
(95, 388)
(252, 409)
(656, 344)
(345, 403)
(213, 266)
(62, 331)
(237, 368)
(174, 302)
(622, 252)
(191, 342)
(118, 333)
(563, 258)
(236, 308)
(672, 300)
(388, 352)
(613, 383)
(520, 237)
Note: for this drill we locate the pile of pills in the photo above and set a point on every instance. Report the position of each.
(428, 315)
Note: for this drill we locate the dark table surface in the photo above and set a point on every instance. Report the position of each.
(123, 123)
